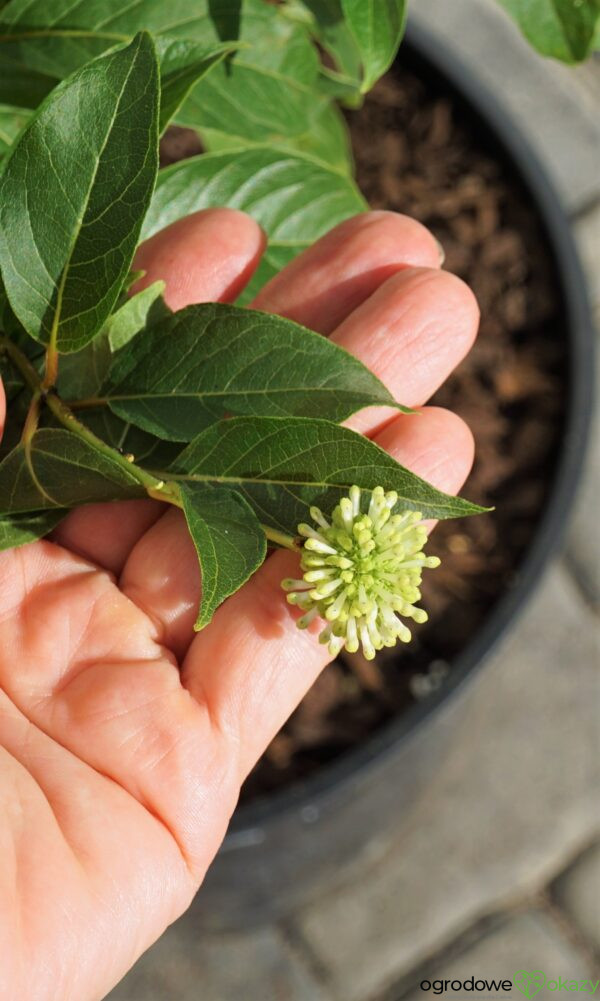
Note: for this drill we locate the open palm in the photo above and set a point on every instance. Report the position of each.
(123, 738)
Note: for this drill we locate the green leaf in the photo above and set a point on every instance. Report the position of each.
(206, 361)
(140, 311)
(68, 235)
(20, 85)
(563, 29)
(377, 27)
(56, 37)
(326, 21)
(327, 138)
(266, 92)
(263, 93)
(61, 470)
(182, 64)
(283, 465)
(340, 88)
(84, 372)
(12, 120)
(229, 541)
(250, 101)
(144, 448)
(21, 529)
(293, 197)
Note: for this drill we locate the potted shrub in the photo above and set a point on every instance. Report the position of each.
(92, 415)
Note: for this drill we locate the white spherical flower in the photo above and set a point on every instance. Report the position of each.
(362, 573)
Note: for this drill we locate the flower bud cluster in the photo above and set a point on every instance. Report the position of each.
(361, 573)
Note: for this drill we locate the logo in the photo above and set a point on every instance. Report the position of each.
(529, 984)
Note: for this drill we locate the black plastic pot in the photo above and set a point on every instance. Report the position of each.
(282, 851)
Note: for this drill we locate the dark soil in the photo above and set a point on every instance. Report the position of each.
(417, 152)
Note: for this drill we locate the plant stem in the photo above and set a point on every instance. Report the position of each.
(51, 374)
(22, 363)
(87, 404)
(155, 486)
(68, 419)
(33, 416)
(281, 539)
(168, 493)
(171, 494)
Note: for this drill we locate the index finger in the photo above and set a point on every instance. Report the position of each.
(329, 280)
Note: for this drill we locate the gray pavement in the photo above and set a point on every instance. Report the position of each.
(577, 892)
(501, 868)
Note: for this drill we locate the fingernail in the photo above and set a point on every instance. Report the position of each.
(441, 251)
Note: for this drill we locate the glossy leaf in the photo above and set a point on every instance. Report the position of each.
(21, 529)
(59, 36)
(61, 470)
(327, 138)
(140, 311)
(561, 28)
(68, 235)
(83, 373)
(182, 64)
(327, 22)
(282, 466)
(144, 448)
(377, 27)
(250, 101)
(264, 93)
(197, 365)
(293, 197)
(228, 539)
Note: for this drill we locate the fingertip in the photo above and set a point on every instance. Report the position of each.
(106, 533)
(460, 296)
(435, 443)
(397, 233)
(208, 256)
(341, 270)
(412, 332)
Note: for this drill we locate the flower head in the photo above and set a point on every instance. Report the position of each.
(362, 572)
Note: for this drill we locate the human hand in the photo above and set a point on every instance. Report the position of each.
(124, 738)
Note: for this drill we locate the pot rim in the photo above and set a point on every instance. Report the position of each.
(549, 536)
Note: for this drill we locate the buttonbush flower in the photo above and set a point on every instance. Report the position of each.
(361, 573)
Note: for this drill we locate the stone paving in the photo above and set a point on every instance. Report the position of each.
(501, 868)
